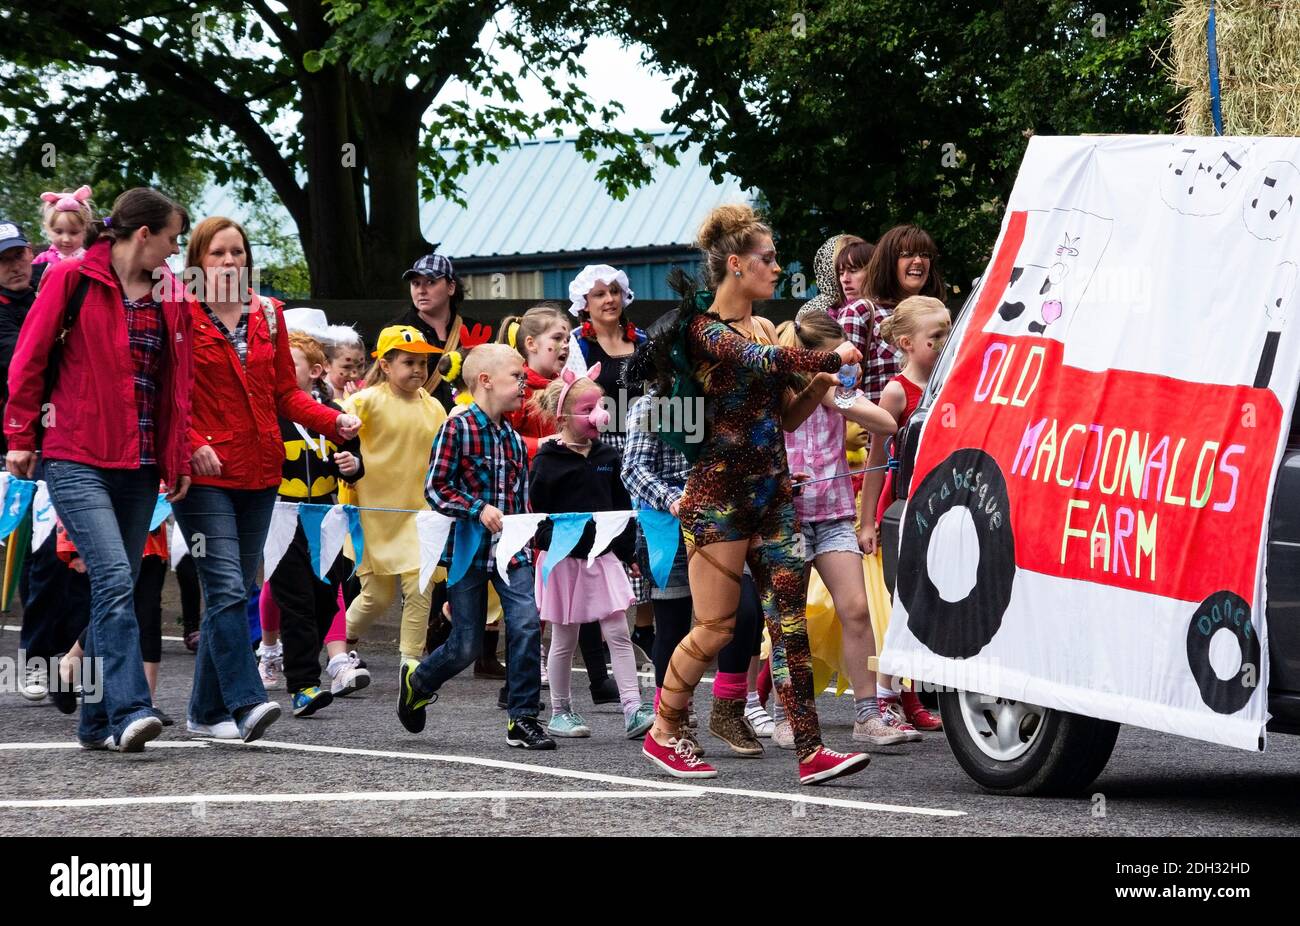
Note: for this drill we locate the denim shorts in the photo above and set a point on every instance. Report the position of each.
(836, 536)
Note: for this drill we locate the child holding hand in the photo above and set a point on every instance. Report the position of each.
(478, 474)
(398, 422)
(918, 328)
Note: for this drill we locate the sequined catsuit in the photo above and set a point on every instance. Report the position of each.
(739, 489)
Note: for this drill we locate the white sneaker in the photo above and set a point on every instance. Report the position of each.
(270, 666)
(225, 730)
(36, 685)
(346, 676)
(783, 735)
(760, 720)
(258, 718)
(136, 734)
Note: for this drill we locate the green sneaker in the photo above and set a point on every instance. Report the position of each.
(641, 721)
(411, 704)
(568, 724)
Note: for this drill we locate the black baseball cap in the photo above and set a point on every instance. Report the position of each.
(431, 266)
(11, 236)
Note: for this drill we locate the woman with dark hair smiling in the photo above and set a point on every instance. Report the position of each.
(243, 380)
(107, 344)
(902, 265)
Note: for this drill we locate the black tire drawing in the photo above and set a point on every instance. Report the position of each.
(972, 479)
(1220, 610)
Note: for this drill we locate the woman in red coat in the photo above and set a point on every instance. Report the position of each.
(114, 423)
(243, 380)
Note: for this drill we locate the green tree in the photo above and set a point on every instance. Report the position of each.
(856, 115)
(332, 103)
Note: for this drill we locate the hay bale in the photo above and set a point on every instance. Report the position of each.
(1259, 66)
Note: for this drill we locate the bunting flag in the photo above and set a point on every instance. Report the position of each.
(284, 524)
(341, 520)
(178, 548)
(312, 516)
(18, 495)
(27, 515)
(516, 531)
(566, 531)
(663, 534)
(162, 509)
(42, 516)
(432, 528)
(469, 536)
(609, 524)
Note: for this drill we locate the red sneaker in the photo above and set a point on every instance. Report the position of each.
(678, 758)
(917, 715)
(825, 764)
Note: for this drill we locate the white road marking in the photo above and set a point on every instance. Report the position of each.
(340, 796)
(791, 797)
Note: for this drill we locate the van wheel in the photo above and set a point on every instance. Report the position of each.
(1014, 748)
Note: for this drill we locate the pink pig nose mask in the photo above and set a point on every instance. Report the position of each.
(589, 416)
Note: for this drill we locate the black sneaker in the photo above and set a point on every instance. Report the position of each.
(528, 733)
(410, 703)
(605, 692)
(503, 700)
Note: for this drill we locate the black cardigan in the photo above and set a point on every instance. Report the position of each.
(563, 480)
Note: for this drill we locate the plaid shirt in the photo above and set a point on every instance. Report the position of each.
(476, 463)
(816, 447)
(239, 337)
(855, 319)
(880, 362)
(144, 334)
(654, 473)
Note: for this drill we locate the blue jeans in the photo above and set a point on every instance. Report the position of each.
(233, 524)
(468, 599)
(106, 513)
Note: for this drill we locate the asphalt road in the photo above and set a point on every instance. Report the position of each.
(353, 769)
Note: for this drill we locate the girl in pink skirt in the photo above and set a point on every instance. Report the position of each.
(576, 472)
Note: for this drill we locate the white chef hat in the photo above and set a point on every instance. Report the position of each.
(592, 274)
(311, 322)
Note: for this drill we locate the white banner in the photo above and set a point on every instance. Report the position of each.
(1089, 503)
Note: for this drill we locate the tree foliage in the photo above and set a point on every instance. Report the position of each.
(856, 115)
(332, 103)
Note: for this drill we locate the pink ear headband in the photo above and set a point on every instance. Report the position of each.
(68, 202)
(569, 378)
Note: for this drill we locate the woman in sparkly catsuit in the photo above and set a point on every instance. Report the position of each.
(738, 505)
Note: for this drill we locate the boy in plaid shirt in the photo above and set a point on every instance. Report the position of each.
(479, 471)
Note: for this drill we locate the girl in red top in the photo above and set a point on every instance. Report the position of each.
(918, 328)
(541, 335)
(244, 380)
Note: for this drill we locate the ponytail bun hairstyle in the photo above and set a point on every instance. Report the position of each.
(727, 230)
(140, 207)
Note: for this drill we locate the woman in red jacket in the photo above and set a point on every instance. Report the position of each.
(243, 379)
(115, 422)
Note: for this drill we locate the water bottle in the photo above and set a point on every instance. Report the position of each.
(846, 392)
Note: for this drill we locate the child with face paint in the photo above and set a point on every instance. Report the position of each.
(918, 328)
(575, 472)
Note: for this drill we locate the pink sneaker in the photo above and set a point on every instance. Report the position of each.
(825, 764)
(678, 758)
